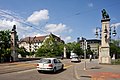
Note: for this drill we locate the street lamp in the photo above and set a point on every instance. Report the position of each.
(114, 32)
(98, 30)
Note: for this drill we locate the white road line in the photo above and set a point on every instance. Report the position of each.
(76, 74)
(25, 71)
(19, 72)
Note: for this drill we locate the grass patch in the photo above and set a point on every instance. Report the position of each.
(116, 62)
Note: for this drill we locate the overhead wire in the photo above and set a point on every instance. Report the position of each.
(35, 27)
(18, 20)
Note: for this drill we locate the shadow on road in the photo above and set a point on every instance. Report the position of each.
(49, 72)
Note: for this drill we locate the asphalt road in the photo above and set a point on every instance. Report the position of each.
(27, 71)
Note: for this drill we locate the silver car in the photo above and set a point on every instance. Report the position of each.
(49, 64)
(75, 59)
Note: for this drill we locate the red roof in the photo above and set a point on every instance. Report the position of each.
(33, 39)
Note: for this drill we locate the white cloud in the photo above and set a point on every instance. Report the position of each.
(55, 28)
(38, 16)
(67, 39)
(23, 30)
(6, 24)
(90, 5)
(116, 25)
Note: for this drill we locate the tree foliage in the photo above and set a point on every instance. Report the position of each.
(115, 48)
(22, 51)
(5, 45)
(50, 47)
(75, 47)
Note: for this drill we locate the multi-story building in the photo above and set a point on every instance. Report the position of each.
(31, 44)
(94, 45)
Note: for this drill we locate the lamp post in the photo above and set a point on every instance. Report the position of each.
(99, 31)
(84, 48)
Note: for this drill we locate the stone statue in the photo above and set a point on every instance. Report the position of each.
(104, 14)
(14, 28)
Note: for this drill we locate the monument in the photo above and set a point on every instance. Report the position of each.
(104, 54)
(14, 55)
(65, 55)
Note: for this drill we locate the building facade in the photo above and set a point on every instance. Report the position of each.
(31, 44)
(94, 45)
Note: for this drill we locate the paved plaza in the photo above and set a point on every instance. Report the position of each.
(96, 71)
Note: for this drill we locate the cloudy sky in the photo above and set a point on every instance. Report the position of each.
(68, 19)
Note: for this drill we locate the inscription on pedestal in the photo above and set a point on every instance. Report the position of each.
(105, 52)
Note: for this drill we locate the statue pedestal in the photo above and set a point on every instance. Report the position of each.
(104, 57)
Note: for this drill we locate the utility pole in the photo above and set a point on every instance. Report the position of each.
(84, 47)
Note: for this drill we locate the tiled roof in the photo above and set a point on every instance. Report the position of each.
(33, 39)
(39, 39)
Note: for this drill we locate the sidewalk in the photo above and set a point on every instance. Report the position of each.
(96, 71)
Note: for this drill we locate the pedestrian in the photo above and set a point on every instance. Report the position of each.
(62, 57)
(90, 57)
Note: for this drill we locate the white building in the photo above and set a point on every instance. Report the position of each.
(32, 43)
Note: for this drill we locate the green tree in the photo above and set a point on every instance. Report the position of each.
(51, 47)
(22, 51)
(5, 45)
(115, 48)
(75, 47)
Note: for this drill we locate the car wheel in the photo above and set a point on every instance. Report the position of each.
(54, 70)
(39, 71)
(62, 67)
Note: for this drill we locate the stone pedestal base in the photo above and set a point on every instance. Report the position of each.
(14, 56)
(105, 60)
(104, 56)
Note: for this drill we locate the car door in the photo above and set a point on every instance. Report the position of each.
(56, 64)
(59, 64)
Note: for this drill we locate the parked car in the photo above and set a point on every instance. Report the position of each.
(75, 59)
(49, 64)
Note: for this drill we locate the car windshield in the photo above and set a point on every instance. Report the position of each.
(45, 61)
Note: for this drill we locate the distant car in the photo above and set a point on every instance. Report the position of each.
(75, 59)
(49, 64)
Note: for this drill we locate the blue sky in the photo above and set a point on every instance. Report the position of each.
(67, 19)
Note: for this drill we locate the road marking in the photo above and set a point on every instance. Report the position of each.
(26, 71)
(65, 67)
(25, 64)
(76, 74)
(36, 69)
